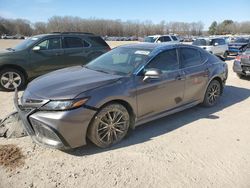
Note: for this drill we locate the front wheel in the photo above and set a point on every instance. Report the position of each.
(212, 94)
(109, 126)
(11, 79)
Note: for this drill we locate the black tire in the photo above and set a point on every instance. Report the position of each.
(18, 79)
(240, 75)
(109, 126)
(212, 94)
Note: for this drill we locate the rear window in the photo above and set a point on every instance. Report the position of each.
(98, 41)
(73, 42)
(190, 57)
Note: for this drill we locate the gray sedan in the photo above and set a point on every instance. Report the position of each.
(126, 87)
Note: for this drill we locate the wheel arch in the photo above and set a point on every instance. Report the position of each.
(19, 68)
(127, 106)
(219, 79)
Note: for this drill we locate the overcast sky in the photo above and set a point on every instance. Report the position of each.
(154, 10)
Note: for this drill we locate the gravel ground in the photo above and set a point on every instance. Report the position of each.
(199, 147)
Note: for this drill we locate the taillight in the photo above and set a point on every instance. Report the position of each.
(239, 57)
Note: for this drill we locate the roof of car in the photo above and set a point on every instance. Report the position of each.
(155, 36)
(63, 33)
(153, 46)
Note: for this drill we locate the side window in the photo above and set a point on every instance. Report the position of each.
(174, 38)
(190, 57)
(221, 41)
(73, 42)
(165, 61)
(50, 44)
(167, 39)
(161, 39)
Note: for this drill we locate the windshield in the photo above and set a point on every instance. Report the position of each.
(150, 39)
(201, 42)
(122, 61)
(26, 43)
(241, 40)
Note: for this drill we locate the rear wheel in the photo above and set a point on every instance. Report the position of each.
(11, 79)
(109, 126)
(212, 94)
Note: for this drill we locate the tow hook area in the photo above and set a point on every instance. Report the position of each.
(11, 126)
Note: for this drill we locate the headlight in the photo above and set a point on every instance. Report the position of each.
(64, 104)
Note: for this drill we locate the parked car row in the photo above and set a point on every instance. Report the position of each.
(17, 36)
(131, 38)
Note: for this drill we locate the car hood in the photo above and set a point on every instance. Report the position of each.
(6, 52)
(67, 83)
(237, 45)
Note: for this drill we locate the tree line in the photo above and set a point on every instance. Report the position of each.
(229, 27)
(107, 27)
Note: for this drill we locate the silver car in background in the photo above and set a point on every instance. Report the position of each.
(124, 88)
(216, 46)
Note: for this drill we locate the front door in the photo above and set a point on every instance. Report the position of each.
(166, 92)
(48, 58)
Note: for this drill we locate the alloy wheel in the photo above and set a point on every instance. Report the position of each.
(213, 93)
(10, 80)
(112, 126)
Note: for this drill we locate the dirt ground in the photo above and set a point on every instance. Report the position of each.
(199, 147)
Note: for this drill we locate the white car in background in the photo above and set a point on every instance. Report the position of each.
(161, 38)
(216, 46)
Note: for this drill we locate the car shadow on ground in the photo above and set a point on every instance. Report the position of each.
(232, 95)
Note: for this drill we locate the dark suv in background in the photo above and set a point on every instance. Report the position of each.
(44, 53)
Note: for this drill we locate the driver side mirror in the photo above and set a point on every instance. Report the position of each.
(36, 48)
(153, 74)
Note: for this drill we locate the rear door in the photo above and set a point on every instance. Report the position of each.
(49, 57)
(76, 51)
(158, 95)
(194, 66)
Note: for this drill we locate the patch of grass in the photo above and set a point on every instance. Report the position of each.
(11, 156)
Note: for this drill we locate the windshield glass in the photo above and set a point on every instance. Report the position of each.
(241, 40)
(122, 61)
(150, 39)
(26, 43)
(201, 42)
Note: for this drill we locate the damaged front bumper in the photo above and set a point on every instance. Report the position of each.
(56, 129)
